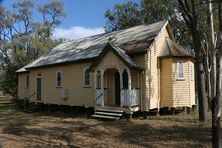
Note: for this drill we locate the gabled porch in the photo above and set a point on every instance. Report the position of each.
(116, 80)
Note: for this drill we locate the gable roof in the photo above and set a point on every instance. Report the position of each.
(133, 40)
(120, 53)
(175, 50)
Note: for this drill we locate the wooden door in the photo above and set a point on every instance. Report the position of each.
(117, 89)
(39, 89)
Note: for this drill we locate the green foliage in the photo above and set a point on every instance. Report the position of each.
(21, 45)
(149, 11)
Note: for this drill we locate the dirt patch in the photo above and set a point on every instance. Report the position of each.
(46, 130)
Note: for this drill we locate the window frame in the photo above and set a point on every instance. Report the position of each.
(84, 78)
(178, 72)
(58, 72)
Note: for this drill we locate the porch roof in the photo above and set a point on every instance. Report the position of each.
(120, 53)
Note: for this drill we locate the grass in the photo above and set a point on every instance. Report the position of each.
(62, 130)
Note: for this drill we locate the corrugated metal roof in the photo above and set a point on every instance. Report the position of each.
(132, 40)
(176, 50)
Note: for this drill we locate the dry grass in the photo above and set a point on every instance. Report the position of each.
(18, 129)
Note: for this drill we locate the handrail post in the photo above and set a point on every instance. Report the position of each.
(129, 83)
(121, 86)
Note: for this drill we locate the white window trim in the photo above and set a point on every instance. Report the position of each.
(58, 71)
(84, 85)
(178, 70)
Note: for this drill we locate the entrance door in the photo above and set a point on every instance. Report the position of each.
(117, 89)
(39, 90)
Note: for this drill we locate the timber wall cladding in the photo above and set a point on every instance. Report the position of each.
(72, 80)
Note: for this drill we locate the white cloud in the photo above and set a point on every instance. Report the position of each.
(76, 32)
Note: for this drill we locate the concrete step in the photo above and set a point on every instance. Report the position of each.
(105, 117)
(108, 114)
(109, 110)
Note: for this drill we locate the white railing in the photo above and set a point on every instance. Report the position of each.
(125, 97)
(135, 97)
(99, 96)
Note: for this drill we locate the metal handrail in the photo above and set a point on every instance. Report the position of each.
(99, 96)
(30, 96)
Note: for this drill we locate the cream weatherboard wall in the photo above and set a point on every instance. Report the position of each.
(166, 83)
(183, 90)
(153, 70)
(72, 80)
(176, 92)
(23, 90)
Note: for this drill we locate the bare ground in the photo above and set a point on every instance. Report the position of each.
(18, 129)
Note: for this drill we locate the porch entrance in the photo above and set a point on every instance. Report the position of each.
(116, 87)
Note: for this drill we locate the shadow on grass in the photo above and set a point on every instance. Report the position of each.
(85, 132)
(145, 135)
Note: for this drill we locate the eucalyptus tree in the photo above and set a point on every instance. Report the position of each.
(23, 39)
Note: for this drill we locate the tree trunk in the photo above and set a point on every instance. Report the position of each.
(212, 49)
(216, 102)
(202, 99)
(216, 110)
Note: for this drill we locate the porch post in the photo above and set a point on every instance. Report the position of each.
(129, 86)
(121, 86)
(102, 85)
(95, 81)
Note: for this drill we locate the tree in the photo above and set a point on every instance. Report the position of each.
(147, 11)
(216, 77)
(23, 39)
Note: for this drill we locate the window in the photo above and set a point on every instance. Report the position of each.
(191, 72)
(86, 77)
(27, 81)
(180, 70)
(58, 79)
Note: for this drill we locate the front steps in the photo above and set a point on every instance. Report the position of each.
(32, 107)
(113, 114)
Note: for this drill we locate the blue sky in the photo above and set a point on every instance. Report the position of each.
(84, 17)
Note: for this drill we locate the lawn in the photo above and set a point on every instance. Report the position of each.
(19, 129)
